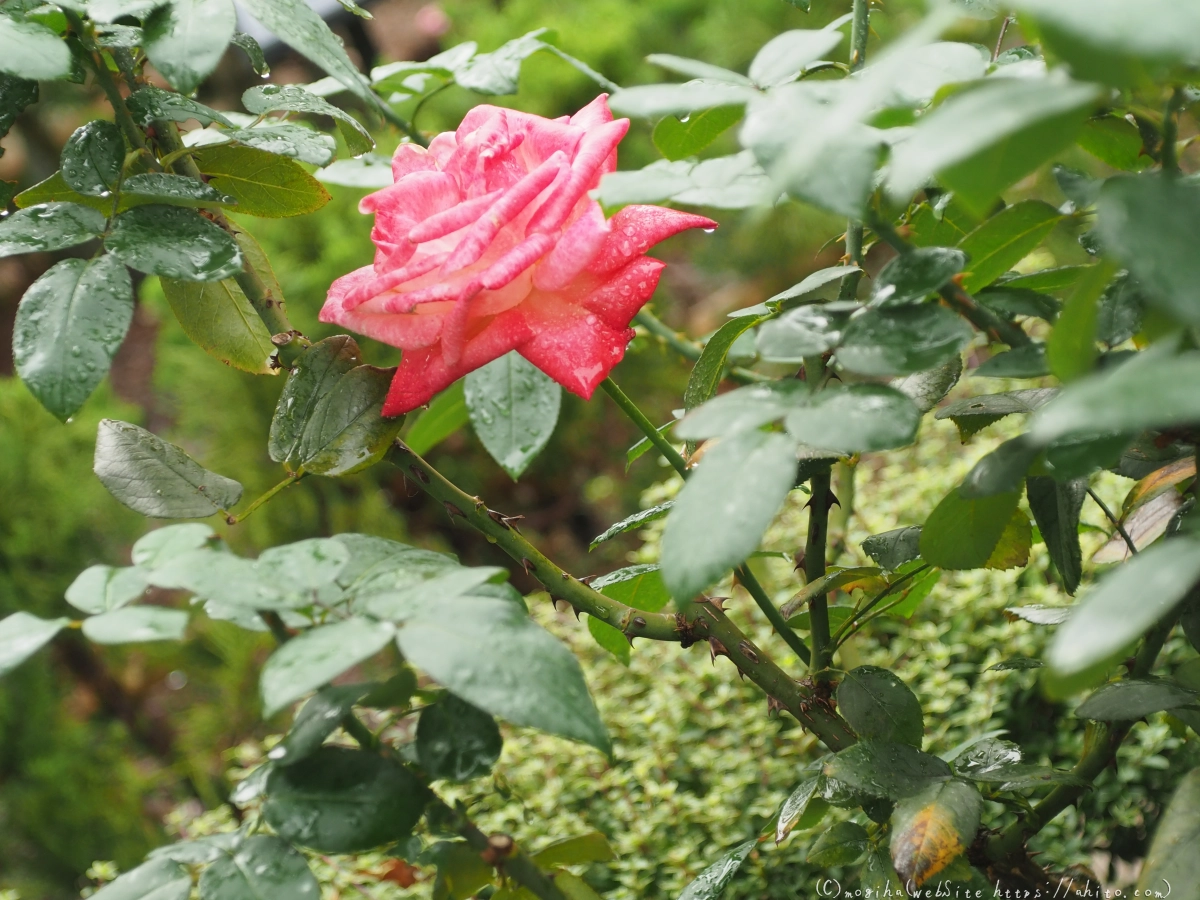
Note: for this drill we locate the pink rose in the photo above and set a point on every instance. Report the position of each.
(488, 242)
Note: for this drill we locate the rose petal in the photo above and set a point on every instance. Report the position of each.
(595, 148)
(410, 158)
(516, 261)
(575, 249)
(451, 220)
(635, 229)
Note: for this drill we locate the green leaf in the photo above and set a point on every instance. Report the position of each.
(911, 277)
(457, 741)
(1114, 140)
(1151, 390)
(695, 68)
(296, 24)
(68, 327)
(187, 38)
(962, 533)
(461, 872)
(743, 409)
(710, 367)
(1005, 239)
(1023, 362)
(1124, 605)
(631, 523)
(1001, 471)
(918, 589)
(497, 72)
(858, 419)
(55, 190)
(262, 183)
(1133, 698)
(261, 867)
(92, 158)
(314, 374)
(47, 227)
(611, 639)
(304, 568)
(175, 243)
(881, 769)
(1146, 222)
(148, 104)
(638, 586)
(933, 828)
(654, 100)
(174, 190)
(1055, 279)
(158, 479)
(984, 138)
(795, 610)
(902, 341)
(513, 407)
(320, 717)
(1103, 40)
(802, 810)
(1171, 863)
(880, 707)
(806, 331)
(727, 182)
(22, 635)
(346, 431)
(33, 51)
(709, 884)
(134, 624)
(892, 549)
(342, 801)
(370, 171)
(724, 508)
(269, 98)
(444, 416)
(678, 139)
(785, 56)
(841, 844)
(98, 589)
(976, 413)
(1009, 302)
(289, 139)
(491, 654)
(1071, 348)
(1055, 506)
(941, 224)
(253, 51)
(316, 657)
(928, 388)
(158, 879)
(15, 95)
(162, 544)
(218, 317)
(878, 875)
(1120, 311)
(575, 851)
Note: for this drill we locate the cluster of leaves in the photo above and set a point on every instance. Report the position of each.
(930, 133)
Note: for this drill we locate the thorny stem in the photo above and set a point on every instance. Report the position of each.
(814, 568)
(703, 622)
(1115, 521)
(645, 426)
(860, 30)
(1170, 132)
(959, 300)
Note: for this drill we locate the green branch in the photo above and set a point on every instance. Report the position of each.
(689, 349)
(705, 622)
(1108, 514)
(747, 580)
(645, 426)
(107, 83)
(814, 568)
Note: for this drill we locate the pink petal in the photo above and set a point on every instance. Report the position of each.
(441, 292)
(399, 331)
(450, 220)
(410, 158)
(595, 148)
(416, 196)
(618, 299)
(516, 261)
(575, 249)
(503, 211)
(442, 148)
(594, 114)
(368, 290)
(635, 229)
(574, 348)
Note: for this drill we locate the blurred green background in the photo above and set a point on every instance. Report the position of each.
(98, 746)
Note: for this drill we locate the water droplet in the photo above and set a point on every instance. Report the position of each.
(76, 350)
(709, 230)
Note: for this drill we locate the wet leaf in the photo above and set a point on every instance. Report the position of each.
(292, 98)
(806, 331)
(724, 508)
(156, 478)
(928, 388)
(149, 103)
(218, 317)
(513, 407)
(892, 549)
(187, 38)
(857, 419)
(1004, 240)
(632, 523)
(98, 589)
(174, 190)
(253, 51)
(976, 413)
(880, 707)
(175, 243)
(963, 532)
(1056, 506)
(1022, 362)
(457, 741)
(346, 431)
(638, 586)
(48, 226)
(782, 58)
(341, 801)
(262, 183)
(677, 139)
(655, 100)
(22, 635)
(290, 139)
(933, 828)
(709, 884)
(135, 624)
(261, 866)
(902, 341)
(320, 717)
(611, 639)
(710, 367)
(316, 657)
(158, 879)
(882, 769)
(69, 326)
(802, 810)
(1038, 614)
(911, 277)
(1000, 472)
(1071, 348)
(31, 50)
(1134, 698)
(1171, 863)
(841, 844)
(92, 158)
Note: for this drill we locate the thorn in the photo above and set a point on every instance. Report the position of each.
(587, 579)
(479, 504)
(575, 609)
(747, 650)
(565, 576)
(958, 278)
(800, 559)
(774, 707)
(715, 649)
(508, 522)
(452, 510)
(527, 565)
(419, 475)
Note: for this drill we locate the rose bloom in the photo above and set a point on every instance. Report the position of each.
(488, 242)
